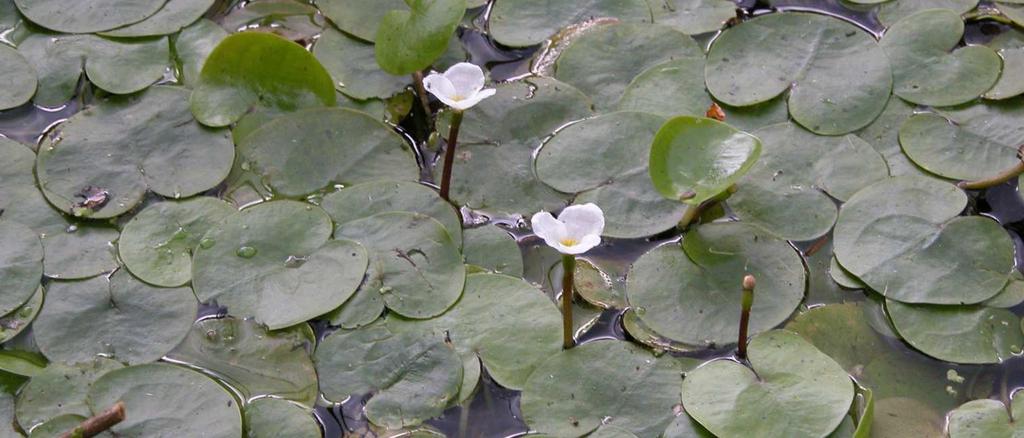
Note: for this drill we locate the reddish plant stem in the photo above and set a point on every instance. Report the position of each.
(98, 423)
(748, 301)
(449, 154)
(569, 271)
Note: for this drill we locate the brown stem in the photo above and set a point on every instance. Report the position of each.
(569, 270)
(417, 83)
(997, 179)
(449, 154)
(98, 423)
(748, 301)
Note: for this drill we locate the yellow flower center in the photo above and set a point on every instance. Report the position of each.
(458, 98)
(568, 241)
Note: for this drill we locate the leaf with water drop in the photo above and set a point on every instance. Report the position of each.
(960, 334)
(367, 199)
(352, 65)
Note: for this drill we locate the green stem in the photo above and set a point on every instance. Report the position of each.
(995, 180)
(692, 213)
(748, 301)
(568, 271)
(449, 154)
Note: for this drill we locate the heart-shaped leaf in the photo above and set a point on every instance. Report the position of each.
(60, 389)
(527, 22)
(410, 40)
(271, 417)
(87, 16)
(986, 418)
(365, 200)
(961, 334)
(172, 17)
(21, 265)
(352, 64)
(19, 78)
(356, 17)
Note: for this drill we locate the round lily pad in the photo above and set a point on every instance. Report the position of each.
(602, 383)
(254, 361)
(60, 424)
(101, 161)
(412, 377)
(365, 200)
(87, 16)
(693, 17)
(120, 66)
(838, 76)
(352, 65)
(785, 191)
(668, 89)
(883, 135)
(858, 345)
(358, 18)
(20, 199)
(892, 11)
(81, 250)
(493, 249)
(487, 322)
(528, 22)
(369, 151)
(597, 287)
(609, 153)
(843, 277)
(364, 306)
(1011, 295)
(157, 244)
(237, 77)
(420, 266)
(60, 390)
(292, 20)
(783, 397)
(903, 238)
(19, 319)
(19, 78)
(119, 317)
(21, 264)
(640, 332)
(966, 142)
(193, 45)
(684, 426)
(202, 407)
(603, 61)
(692, 294)
(693, 159)
(925, 67)
(986, 418)
(961, 334)
(274, 261)
(270, 418)
(411, 38)
(1010, 46)
(172, 17)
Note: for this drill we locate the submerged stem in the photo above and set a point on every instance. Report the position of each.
(98, 423)
(692, 213)
(568, 271)
(997, 179)
(748, 301)
(449, 154)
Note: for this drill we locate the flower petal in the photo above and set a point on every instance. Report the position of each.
(472, 101)
(548, 228)
(466, 78)
(583, 220)
(439, 85)
(589, 242)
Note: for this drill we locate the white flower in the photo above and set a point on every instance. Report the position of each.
(576, 231)
(461, 87)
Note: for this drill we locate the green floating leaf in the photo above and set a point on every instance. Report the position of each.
(602, 62)
(685, 426)
(777, 395)
(20, 199)
(843, 277)
(357, 17)
(487, 322)
(527, 22)
(694, 159)
(157, 244)
(202, 407)
(839, 78)
(693, 294)
(883, 135)
(172, 17)
(363, 307)
(18, 319)
(693, 17)
(60, 424)
(920, 250)
(372, 151)
(492, 249)
(412, 377)
(253, 360)
(410, 40)
(120, 317)
(892, 11)
(640, 332)
(238, 77)
(275, 261)
(605, 158)
(602, 383)
(19, 78)
(365, 200)
(1011, 295)
(294, 20)
(902, 417)
(21, 265)
(968, 142)
(193, 45)
(598, 287)
(102, 160)
(1014, 11)
(611, 432)
(120, 66)
(60, 389)
(787, 191)
(1010, 46)
(986, 418)
(960, 334)
(271, 418)
(420, 267)
(669, 89)
(87, 16)
(925, 67)
(354, 67)
(858, 345)
(80, 251)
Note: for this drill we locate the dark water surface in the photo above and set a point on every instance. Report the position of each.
(494, 411)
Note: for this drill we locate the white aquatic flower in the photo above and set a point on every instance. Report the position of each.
(460, 87)
(576, 231)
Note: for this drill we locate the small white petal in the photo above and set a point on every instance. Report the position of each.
(440, 86)
(583, 220)
(467, 79)
(547, 227)
(472, 101)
